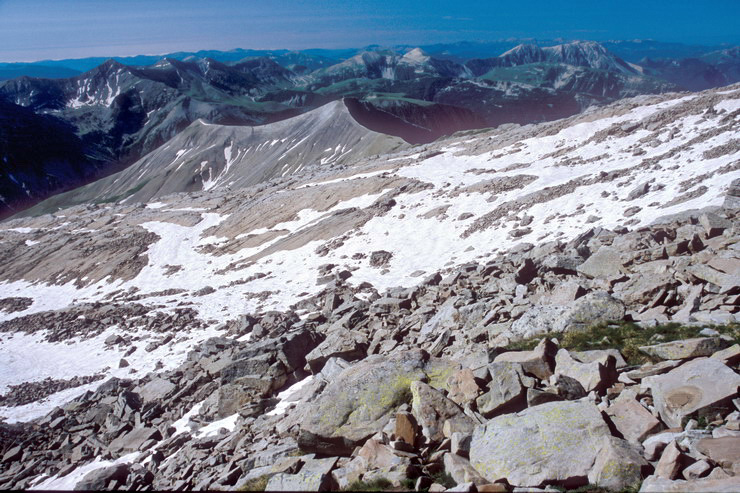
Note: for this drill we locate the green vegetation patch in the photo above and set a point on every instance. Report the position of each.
(380, 484)
(627, 337)
(256, 484)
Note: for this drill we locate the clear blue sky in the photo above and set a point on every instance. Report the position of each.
(53, 29)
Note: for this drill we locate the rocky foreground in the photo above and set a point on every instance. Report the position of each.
(543, 367)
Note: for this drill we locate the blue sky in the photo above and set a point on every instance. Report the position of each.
(53, 29)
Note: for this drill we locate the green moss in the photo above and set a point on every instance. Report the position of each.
(380, 484)
(438, 374)
(444, 479)
(256, 484)
(627, 337)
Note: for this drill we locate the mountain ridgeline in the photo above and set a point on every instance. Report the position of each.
(110, 117)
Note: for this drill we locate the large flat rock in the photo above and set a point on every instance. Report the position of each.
(361, 399)
(701, 385)
(556, 442)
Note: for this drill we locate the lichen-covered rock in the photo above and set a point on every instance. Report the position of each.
(699, 386)
(556, 442)
(619, 465)
(360, 401)
(432, 409)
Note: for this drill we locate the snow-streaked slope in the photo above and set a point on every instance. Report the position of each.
(206, 156)
(445, 204)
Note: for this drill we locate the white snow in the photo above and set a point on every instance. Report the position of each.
(69, 481)
(285, 395)
(213, 428)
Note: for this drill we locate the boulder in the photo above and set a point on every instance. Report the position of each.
(461, 470)
(670, 463)
(685, 349)
(156, 390)
(696, 470)
(632, 420)
(592, 376)
(556, 442)
(348, 345)
(360, 401)
(600, 356)
(432, 409)
(538, 362)
(606, 263)
(506, 393)
(406, 427)
(730, 356)
(713, 224)
(378, 455)
(724, 451)
(133, 440)
(594, 308)
(314, 475)
(349, 473)
(462, 387)
(99, 479)
(702, 386)
(619, 465)
(727, 283)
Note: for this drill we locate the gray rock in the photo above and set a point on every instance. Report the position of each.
(632, 420)
(600, 356)
(314, 475)
(360, 401)
(685, 349)
(506, 393)
(619, 466)
(461, 470)
(696, 386)
(156, 390)
(132, 441)
(592, 376)
(538, 362)
(99, 479)
(584, 312)
(670, 463)
(654, 484)
(349, 345)
(432, 410)
(713, 224)
(606, 263)
(557, 442)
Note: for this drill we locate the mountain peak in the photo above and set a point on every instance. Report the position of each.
(415, 56)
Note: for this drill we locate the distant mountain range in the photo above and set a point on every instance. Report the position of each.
(80, 128)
